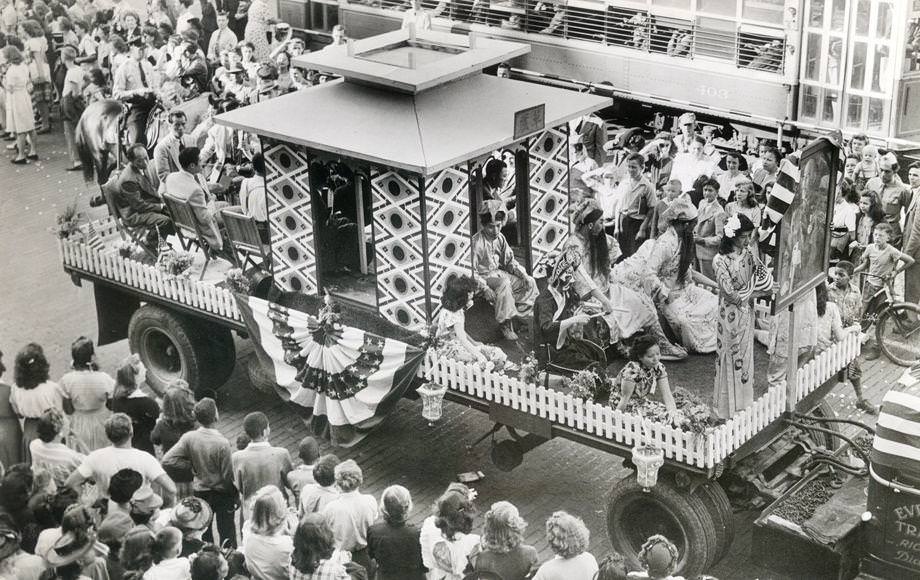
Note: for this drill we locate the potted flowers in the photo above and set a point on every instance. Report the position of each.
(175, 263)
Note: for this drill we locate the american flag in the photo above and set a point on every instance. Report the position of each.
(787, 182)
(92, 238)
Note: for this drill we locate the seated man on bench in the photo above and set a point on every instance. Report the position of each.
(502, 280)
(137, 199)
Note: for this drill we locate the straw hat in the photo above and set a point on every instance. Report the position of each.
(70, 547)
(192, 514)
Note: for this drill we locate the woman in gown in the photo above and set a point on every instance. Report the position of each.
(626, 310)
(741, 277)
(257, 26)
(691, 311)
(86, 391)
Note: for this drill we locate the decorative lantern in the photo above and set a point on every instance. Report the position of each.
(648, 459)
(432, 401)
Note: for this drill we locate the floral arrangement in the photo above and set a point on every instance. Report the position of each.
(693, 415)
(530, 369)
(237, 281)
(67, 222)
(496, 360)
(588, 385)
(126, 249)
(175, 264)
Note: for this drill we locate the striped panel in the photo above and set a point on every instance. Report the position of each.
(290, 217)
(897, 439)
(549, 191)
(447, 229)
(398, 247)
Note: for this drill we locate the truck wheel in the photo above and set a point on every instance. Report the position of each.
(173, 346)
(633, 515)
(261, 379)
(826, 440)
(718, 506)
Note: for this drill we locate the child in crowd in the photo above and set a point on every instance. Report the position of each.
(868, 166)
(880, 261)
(846, 295)
(870, 213)
(644, 374)
(302, 475)
(659, 557)
(168, 565)
(672, 191)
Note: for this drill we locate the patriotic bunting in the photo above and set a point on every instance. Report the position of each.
(896, 447)
(346, 379)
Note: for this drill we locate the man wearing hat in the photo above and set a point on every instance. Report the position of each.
(687, 124)
(144, 508)
(659, 154)
(75, 546)
(503, 281)
(134, 83)
(192, 66)
(893, 194)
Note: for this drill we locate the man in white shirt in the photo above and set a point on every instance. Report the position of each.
(102, 464)
(221, 39)
(188, 184)
(134, 83)
(166, 152)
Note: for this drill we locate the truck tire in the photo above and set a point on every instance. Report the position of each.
(720, 509)
(173, 346)
(826, 440)
(633, 515)
(261, 379)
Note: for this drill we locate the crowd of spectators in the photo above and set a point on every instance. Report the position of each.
(103, 479)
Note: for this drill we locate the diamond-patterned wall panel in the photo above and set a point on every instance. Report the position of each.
(287, 184)
(549, 191)
(398, 248)
(447, 212)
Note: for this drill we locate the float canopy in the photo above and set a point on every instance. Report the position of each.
(443, 112)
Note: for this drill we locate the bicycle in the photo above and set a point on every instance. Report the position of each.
(897, 324)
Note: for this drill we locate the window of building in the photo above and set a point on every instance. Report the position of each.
(870, 69)
(769, 11)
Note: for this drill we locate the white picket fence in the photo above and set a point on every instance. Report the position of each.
(107, 263)
(701, 450)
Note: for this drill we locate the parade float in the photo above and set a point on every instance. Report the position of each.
(400, 140)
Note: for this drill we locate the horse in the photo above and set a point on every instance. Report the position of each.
(104, 118)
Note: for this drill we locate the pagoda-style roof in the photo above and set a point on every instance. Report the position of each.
(422, 133)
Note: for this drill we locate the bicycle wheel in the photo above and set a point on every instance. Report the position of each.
(898, 333)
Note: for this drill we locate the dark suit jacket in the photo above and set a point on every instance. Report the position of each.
(208, 22)
(136, 193)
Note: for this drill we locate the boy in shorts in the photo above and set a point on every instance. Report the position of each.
(845, 294)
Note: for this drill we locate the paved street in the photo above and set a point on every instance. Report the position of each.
(40, 304)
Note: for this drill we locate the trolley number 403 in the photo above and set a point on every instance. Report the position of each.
(713, 92)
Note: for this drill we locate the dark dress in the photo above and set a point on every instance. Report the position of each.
(574, 354)
(10, 433)
(397, 551)
(143, 412)
(516, 564)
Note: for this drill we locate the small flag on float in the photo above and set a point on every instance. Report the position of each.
(93, 239)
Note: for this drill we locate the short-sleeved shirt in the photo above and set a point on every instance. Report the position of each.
(31, 403)
(845, 214)
(73, 82)
(882, 262)
(646, 379)
(87, 390)
(103, 463)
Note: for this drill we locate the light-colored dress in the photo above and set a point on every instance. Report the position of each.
(29, 404)
(450, 556)
(445, 334)
(20, 116)
(257, 27)
(88, 391)
(734, 382)
(690, 310)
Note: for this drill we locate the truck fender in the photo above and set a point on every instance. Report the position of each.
(114, 309)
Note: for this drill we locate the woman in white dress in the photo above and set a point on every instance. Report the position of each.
(449, 327)
(33, 393)
(86, 390)
(20, 116)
